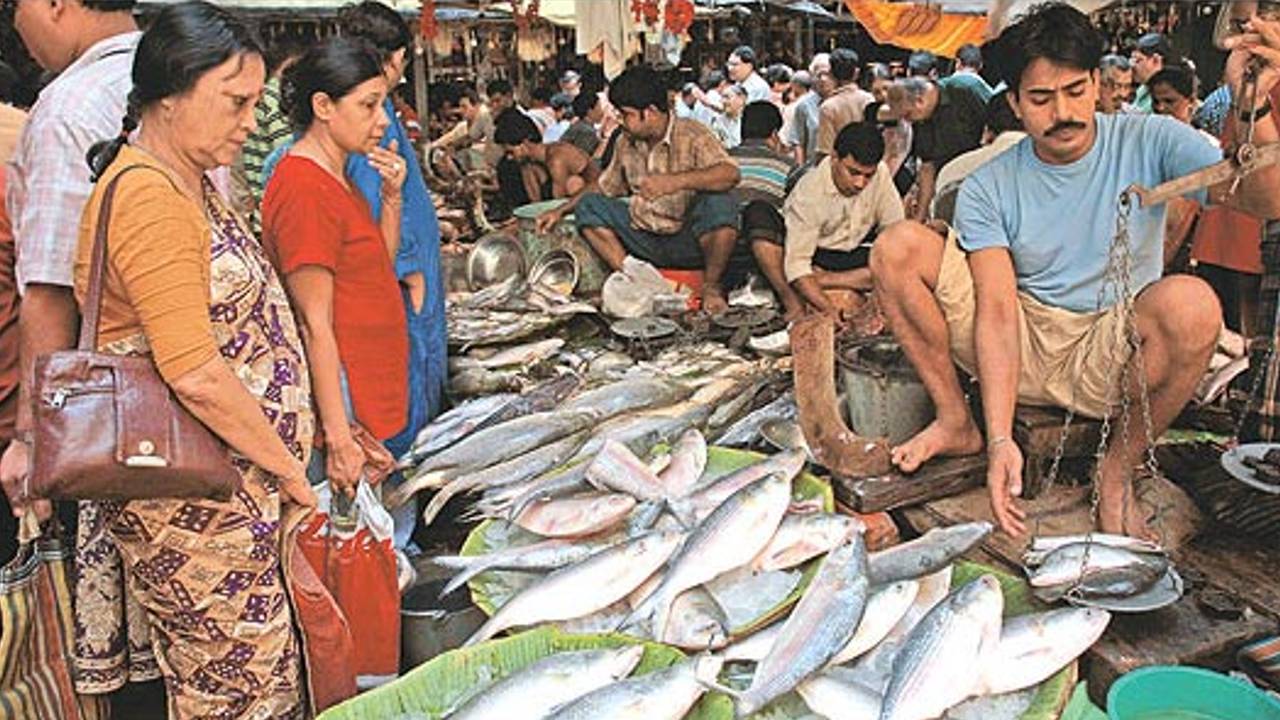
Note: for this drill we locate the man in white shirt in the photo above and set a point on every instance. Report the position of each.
(742, 70)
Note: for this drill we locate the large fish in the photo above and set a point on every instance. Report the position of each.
(940, 662)
(494, 445)
(821, 624)
(1033, 647)
(583, 588)
(927, 554)
(697, 506)
(1042, 546)
(646, 428)
(625, 396)
(576, 516)
(452, 426)
(835, 698)
(509, 501)
(729, 538)
(517, 355)
(803, 537)
(886, 607)
(516, 470)
(1092, 570)
(875, 667)
(538, 688)
(688, 462)
(660, 695)
(550, 554)
(697, 622)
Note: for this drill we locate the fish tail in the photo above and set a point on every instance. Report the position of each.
(486, 631)
(461, 579)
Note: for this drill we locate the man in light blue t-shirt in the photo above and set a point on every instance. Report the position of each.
(1017, 294)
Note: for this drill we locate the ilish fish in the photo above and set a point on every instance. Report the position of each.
(885, 608)
(539, 688)
(543, 397)
(874, 668)
(583, 588)
(927, 554)
(835, 698)
(660, 695)
(494, 445)
(560, 482)
(625, 396)
(939, 664)
(688, 462)
(1108, 571)
(746, 432)
(729, 538)
(475, 381)
(576, 516)
(452, 426)
(549, 554)
(516, 470)
(693, 508)
(1042, 546)
(803, 537)
(821, 624)
(517, 356)
(697, 622)
(617, 468)
(1034, 647)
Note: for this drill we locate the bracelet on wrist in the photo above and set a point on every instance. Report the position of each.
(997, 441)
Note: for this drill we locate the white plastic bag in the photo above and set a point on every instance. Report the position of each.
(629, 293)
(366, 511)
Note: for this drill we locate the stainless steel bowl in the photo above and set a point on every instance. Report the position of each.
(495, 258)
(556, 271)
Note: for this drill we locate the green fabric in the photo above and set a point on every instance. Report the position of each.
(272, 132)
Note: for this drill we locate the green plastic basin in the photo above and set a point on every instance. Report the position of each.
(1187, 693)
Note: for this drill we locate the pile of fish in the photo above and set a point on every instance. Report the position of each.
(1094, 566)
(517, 448)
(874, 636)
(509, 311)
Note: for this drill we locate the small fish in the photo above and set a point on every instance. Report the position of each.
(1109, 571)
(583, 588)
(626, 396)
(660, 695)
(1042, 546)
(565, 480)
(695, 507)
(928, 553)
(519, 355)
(452, 426)
(576, 516)
(803, 537)
(550, 554)
(617, 468)
(540, 687)
(688, 462)
(837, 699)
(822, 623)
(474, 381)
(746, 432)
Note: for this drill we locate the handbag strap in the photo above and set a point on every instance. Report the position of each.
(92, 310)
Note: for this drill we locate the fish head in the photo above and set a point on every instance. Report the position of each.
(623, 660)
(792, 461)
(706, 669)
(979, 597)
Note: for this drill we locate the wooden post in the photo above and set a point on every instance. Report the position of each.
(422, 46)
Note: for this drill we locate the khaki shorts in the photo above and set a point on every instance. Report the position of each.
(1069, 359)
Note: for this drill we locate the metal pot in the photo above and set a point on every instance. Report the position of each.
(884, 394)
(431, 625)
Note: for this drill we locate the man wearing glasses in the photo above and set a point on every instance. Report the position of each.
(1115, 91)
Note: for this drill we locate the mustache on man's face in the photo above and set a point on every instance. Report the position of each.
(1065, 125)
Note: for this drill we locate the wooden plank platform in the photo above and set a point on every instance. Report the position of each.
(1038, 430)
(1180, 634)
(938, 479)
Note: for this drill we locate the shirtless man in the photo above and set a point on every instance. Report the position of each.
(553, 170)
(1016, 294)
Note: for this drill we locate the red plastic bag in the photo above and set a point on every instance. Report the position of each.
(360, 572)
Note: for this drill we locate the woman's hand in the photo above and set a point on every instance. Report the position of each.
(296, 488)
(391, 167)
(344, 463)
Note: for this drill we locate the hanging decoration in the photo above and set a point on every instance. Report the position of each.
(427, 24)
(645, 12)
(678, 15)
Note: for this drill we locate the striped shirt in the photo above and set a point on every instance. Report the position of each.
(273, 131)
(48, 176)
(766, 175)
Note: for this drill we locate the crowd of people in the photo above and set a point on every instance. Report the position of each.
(273, 247)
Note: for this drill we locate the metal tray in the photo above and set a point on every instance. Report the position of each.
(1233, 463)
(1167, 591)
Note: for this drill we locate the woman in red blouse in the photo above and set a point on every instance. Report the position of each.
(337, 262)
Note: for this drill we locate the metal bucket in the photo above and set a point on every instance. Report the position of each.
(883, 392)
(591, 269)
(431, 625)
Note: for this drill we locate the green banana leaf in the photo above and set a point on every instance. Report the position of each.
(492, 589)
(439, 686)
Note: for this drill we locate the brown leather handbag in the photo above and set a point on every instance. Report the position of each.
(107, 427)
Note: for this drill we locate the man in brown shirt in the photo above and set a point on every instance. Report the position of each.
(846, 105)
(678, 176)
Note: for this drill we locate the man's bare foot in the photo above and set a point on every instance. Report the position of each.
(713, 301)
(1120, 513)
(937, 440)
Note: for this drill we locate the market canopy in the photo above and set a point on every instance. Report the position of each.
(942, 27)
